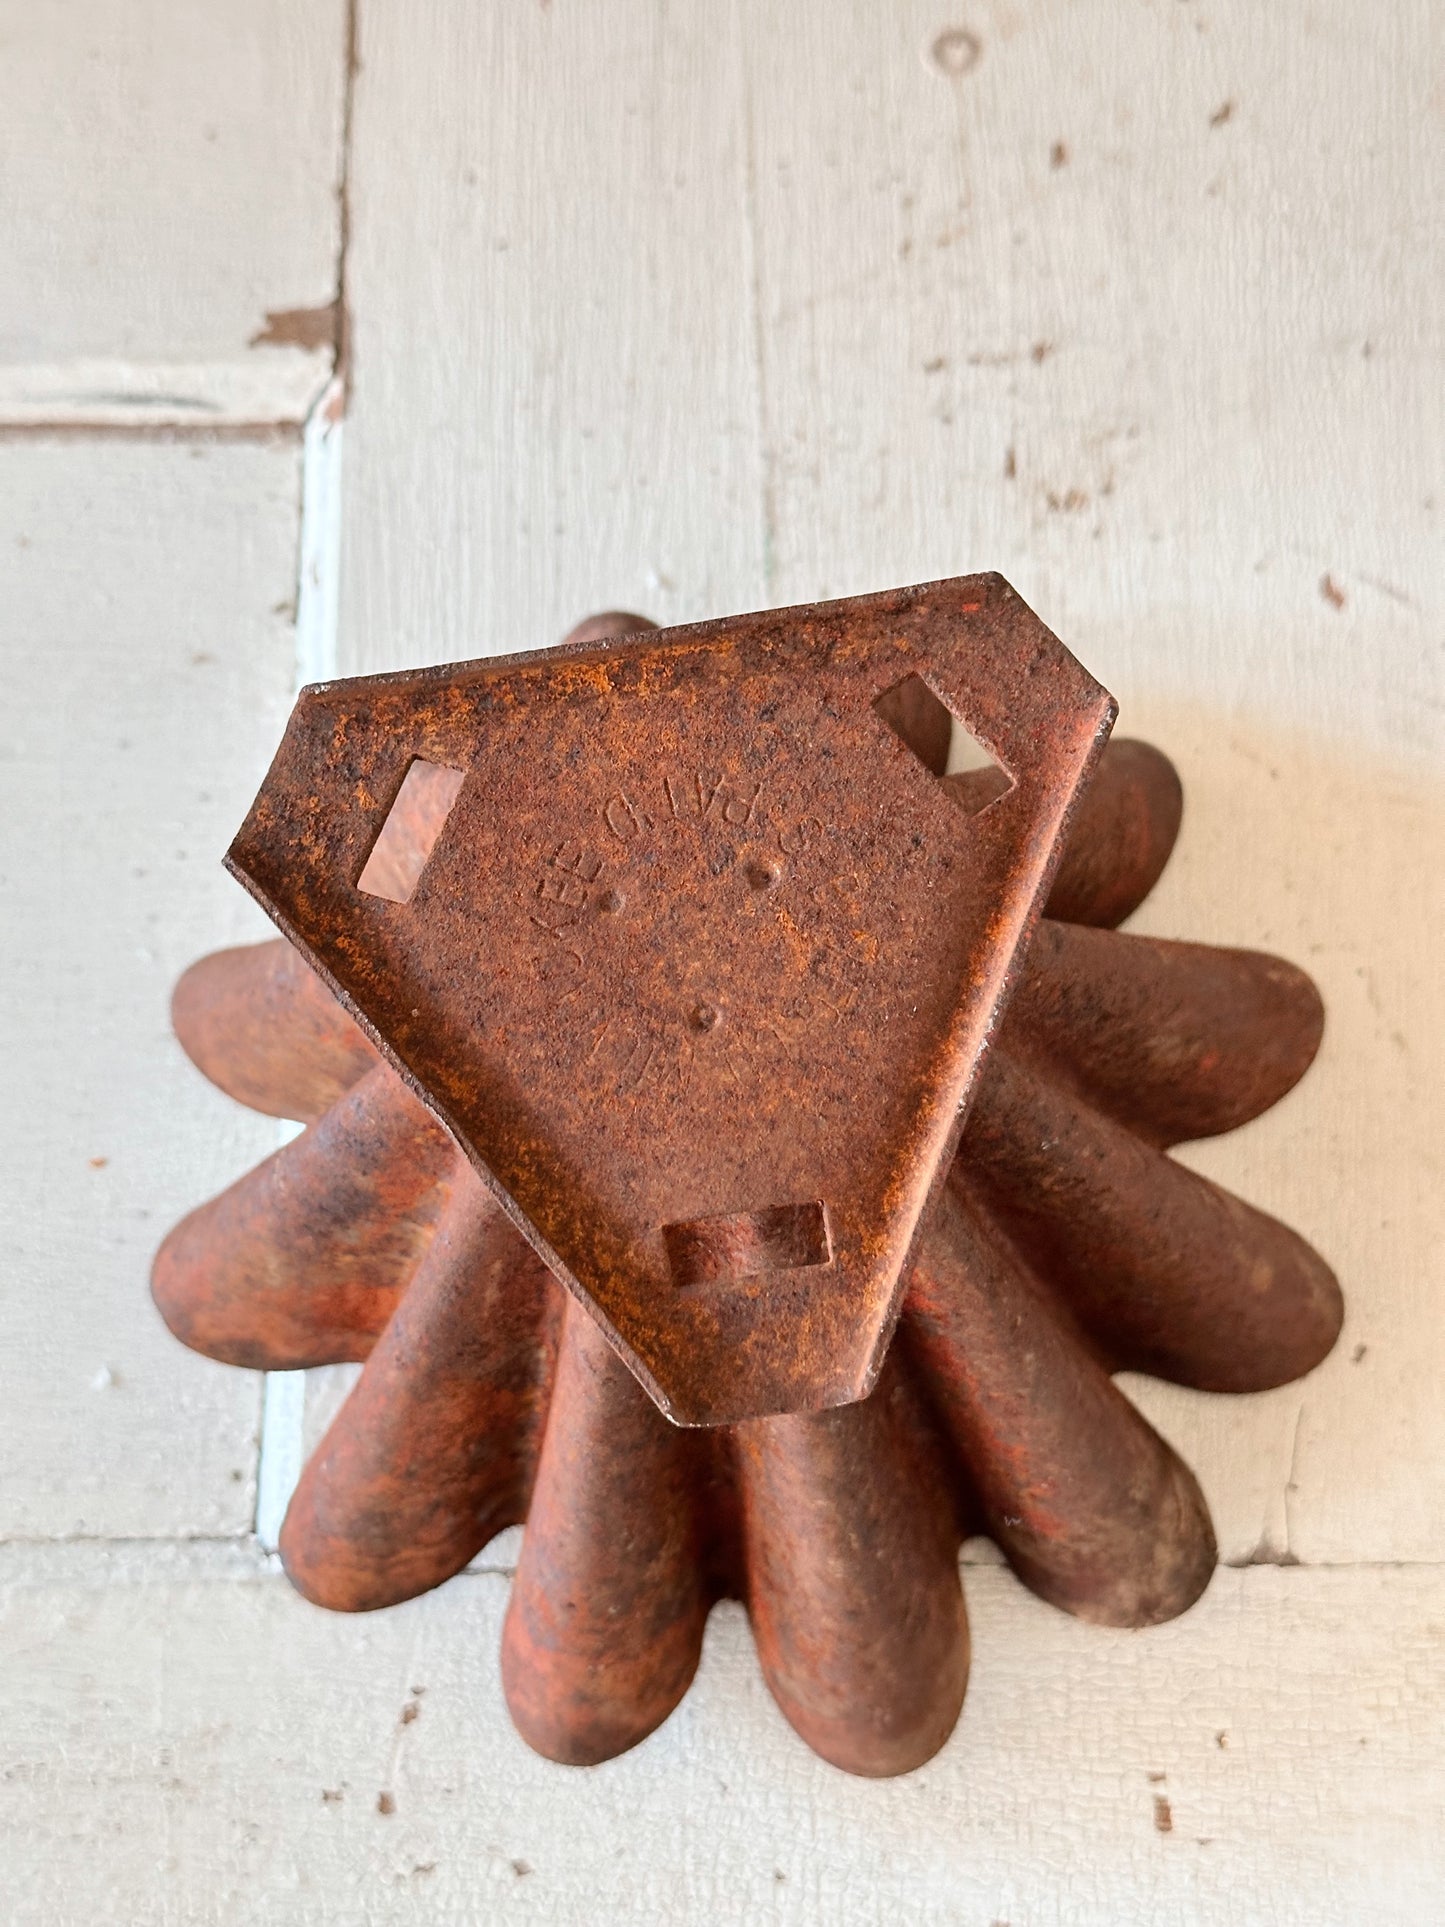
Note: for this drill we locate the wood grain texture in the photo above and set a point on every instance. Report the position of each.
(170, 181)
(1142, 309)
(185, 1740)
(555, 408)
(145, 630)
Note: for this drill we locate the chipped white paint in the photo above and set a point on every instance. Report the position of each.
(168, 176)
(1136, 300)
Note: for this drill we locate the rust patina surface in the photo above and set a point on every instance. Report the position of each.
(703, 955)
(673, 968)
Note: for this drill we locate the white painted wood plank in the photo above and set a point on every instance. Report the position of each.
(1140, 307)
(146, 595)
(553, 408)
(169, 176)
(186, 1740)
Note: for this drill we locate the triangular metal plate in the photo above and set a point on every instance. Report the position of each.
(702, 961)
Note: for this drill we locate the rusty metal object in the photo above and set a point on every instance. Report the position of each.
(735, 845)
(701, 876)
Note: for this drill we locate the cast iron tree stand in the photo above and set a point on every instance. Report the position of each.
(739, 1150)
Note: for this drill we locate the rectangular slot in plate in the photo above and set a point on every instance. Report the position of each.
(781, 1237)
(409, 834)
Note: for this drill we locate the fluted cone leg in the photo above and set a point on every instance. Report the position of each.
(1168, 1273)
(303, 1260)
(1120, 837)
(852, 1581)
(1176, 1040)
(608, 1607)
(1089, 1505)
(433, 1452)
(260, 1023)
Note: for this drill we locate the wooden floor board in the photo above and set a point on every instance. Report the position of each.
(146, 630)
(186, 1741)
